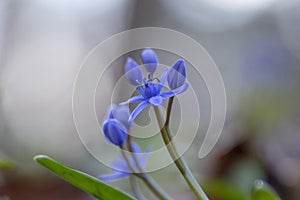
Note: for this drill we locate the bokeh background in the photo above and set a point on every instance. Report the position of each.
(254, 43)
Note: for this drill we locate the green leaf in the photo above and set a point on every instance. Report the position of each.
(85, 182)
(263, 191)
(6, 164)
(222, 189)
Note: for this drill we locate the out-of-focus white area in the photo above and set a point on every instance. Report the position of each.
(216, 15)
(288, 18)
(43, 45)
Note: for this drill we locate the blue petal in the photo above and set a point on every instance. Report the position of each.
(136, 150)
(135, 147)
(133, 100)
(162, 79)
(120, 165)
(148, 149)
(150, 90)
(137, 110)
(141, 158)
(177, 74)
(114, 131)
(150, 60)
(113, 176)
(121, 113)
(142, 91)
(144, 158)
(156, 100)
(109, 114)
(133, 72)
(176, 91)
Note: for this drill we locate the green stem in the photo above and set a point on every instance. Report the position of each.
(152, 185)
(129, 146)
(156, 189)
(179, 161)
(135, 188)
(169, 109)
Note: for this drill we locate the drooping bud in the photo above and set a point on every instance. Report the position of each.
(116, 124)
(114, 131)
(177, 74)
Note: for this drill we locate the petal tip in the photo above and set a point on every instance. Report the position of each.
(132, 71)
(149, 59)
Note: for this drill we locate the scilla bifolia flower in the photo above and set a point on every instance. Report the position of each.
(116, 125)
(118, 121)
(120, 167)
(150, 88)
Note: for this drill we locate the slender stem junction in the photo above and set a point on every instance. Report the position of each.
(179, 161)
(152, 185)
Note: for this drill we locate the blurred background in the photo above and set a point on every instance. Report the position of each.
(254, 43)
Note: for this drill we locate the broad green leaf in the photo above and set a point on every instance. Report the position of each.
(6, 164)
(85, 182)
(263, 191)
(225, 190)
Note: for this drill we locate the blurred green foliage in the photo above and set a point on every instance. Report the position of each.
(225, 190)
(263, 191)
(85, 182)
(6, 164)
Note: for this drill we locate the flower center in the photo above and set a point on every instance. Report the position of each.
(150, 87)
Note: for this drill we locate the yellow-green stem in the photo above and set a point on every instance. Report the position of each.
(152, 185)
(179, 161)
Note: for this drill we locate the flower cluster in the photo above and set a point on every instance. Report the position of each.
(120, 167)
(118, 121)
(150, 88)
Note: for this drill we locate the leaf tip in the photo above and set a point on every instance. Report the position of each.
(38, 158)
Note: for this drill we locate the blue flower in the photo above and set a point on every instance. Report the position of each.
(120, 167)
(177, 75)
(116, 125)
(150, 60)
(134, 74)
(151, 89)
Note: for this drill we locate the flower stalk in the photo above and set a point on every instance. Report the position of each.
(151, 184)
(179, 161)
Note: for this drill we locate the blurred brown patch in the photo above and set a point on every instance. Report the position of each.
(46, 188)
